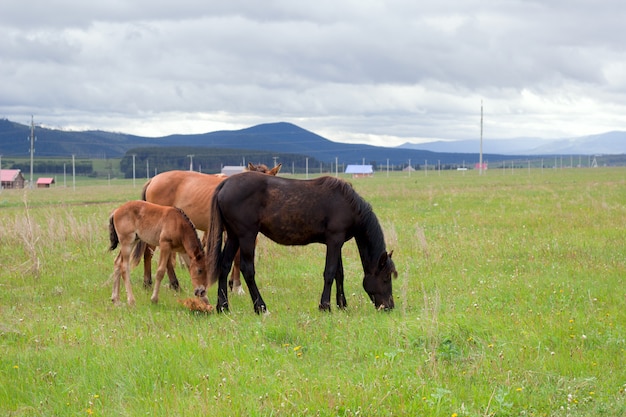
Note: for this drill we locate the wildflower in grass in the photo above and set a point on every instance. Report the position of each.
(16, 367)
(89, 411)
(454, 415)
(520, 389)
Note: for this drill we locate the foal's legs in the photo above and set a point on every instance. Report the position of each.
(122, 268)
(117, 272)
(164, 262)
(147, 266)
(147, 269)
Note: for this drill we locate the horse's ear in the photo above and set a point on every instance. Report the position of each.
(390, 253)
(275, 170)
(251, 167)
(382, 262)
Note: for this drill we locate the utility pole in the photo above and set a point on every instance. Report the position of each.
(134, 170)
(73, 172)
(190, 162)
(32, 148)
(480, 161)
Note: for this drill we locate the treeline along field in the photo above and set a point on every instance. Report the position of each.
(510, 301)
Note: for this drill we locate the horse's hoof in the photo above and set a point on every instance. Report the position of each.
(223, 308)
(175, 285)
(325, 307)
(262, 309)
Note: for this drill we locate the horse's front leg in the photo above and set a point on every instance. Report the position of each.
(171, 273)
(225, 261)
(341, 297)
(247, 247)
(164, 261)
(333, 256)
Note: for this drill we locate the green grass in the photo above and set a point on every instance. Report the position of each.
(510, 301)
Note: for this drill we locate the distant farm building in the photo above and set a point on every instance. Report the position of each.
(229, 170)
(360, 170)
(11, 178)
(45, 182)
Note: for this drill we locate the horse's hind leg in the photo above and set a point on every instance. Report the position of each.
(130, 298)
(147, 266)
(225, 262)
(247, 268)
(117, 272)
(234, 283)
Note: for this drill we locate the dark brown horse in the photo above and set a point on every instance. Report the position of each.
(190, 191)
(166, 227)
(296, 212)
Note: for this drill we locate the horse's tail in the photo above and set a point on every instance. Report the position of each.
(112, 234)
(137, 253)
(145, 188)
(214, 238)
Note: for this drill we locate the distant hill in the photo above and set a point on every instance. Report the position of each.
(288, 138)
(277, 137)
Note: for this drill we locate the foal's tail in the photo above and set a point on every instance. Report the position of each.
(214, 238)
(137, 253)
(113, 234)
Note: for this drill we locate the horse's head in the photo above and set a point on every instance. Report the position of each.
(264, 169)
(199, 275)
(377, 284)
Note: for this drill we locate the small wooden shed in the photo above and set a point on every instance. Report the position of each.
(11, 178)
(44, 182)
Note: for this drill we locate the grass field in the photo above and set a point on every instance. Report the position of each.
(510, 301)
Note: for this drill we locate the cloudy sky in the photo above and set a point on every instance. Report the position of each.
(378, 72)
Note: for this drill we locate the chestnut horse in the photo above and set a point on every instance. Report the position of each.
(166, 227)
(296, 212)
(192, 192)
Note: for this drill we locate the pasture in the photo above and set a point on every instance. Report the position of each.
(510, 301)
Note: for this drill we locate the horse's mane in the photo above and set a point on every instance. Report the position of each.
(193, 227)
(362, 207)
(367, 219)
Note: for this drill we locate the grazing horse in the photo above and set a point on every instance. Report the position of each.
(192, 192)
(296, 212)
(166, 227)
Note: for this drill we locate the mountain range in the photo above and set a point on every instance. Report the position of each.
(288, 138)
